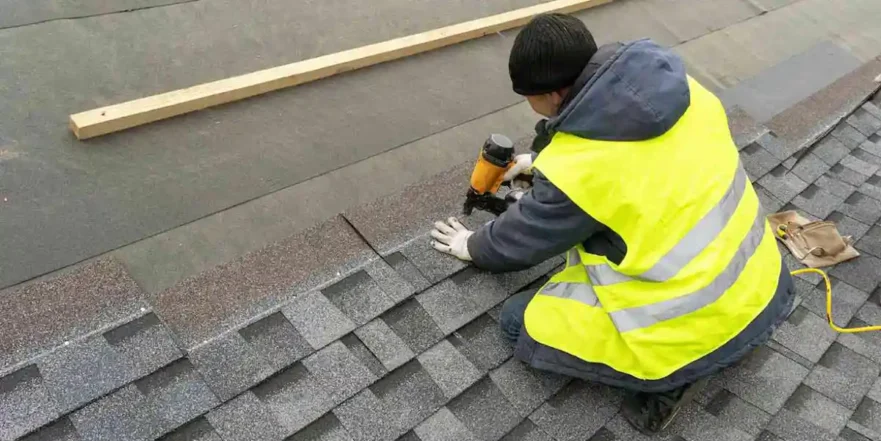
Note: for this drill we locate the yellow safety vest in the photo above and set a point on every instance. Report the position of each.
(701, 260)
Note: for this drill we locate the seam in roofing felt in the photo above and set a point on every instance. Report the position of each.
(100, 14)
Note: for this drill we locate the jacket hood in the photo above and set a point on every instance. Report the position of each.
(639, 93)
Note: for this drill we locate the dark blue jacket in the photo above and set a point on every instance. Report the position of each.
(627, 92)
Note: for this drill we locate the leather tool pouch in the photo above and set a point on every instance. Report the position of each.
(817, 244)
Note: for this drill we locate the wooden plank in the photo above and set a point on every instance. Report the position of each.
(145, 110)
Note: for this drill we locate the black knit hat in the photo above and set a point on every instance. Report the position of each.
(549, 54)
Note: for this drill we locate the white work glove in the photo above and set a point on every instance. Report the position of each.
(522, 166)
(451, 237)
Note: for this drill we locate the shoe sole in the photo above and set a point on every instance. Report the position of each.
(687, 397)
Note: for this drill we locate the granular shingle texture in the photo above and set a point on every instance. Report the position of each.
(357, 330)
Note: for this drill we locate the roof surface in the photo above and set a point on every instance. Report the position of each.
(357, 330)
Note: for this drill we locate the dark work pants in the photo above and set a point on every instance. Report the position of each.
(511, 316)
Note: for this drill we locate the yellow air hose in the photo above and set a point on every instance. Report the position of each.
(829, 304)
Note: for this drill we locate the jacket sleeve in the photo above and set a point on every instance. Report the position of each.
(544, 223)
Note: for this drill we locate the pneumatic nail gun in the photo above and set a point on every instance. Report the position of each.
(496, 157)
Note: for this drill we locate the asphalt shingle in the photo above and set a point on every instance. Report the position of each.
(481, 342)
(872, 187)
(812, 406)
(835, 186)
(339, 372)
(275, 338)
(873, 144)
(387, 346)
(230, 365)
(843, 375)
(409, 395)
(359, 297)
(846, 300)
(317, 319)
(449, 369)
(390, 280)
(789, 427)
(198, 429)
(480, 288)
(431, 264)
(783, 184)
(848, 226)
(848, 434)
(734, 411)
(364, 355)
(846, 174)
(780, 149)
(765, 379)
(449, 306)
(443, 426)
(366, 418)
(757, 161)
(868, 414)
(809, 167)
(769, 202)
(411, 323)
(866, 156)
(485, 411)
(294, 397)
(60, 430)
(861, 272)
(830, 150)
(864, 122)
(578, 411)
(871, 241)
(800, 323)
(407, 271)
(326, 428)
(816, 201)
(848, 135)
(694, 423)
(524, 387)
(246, 418)
(517, 281)
(24, 402)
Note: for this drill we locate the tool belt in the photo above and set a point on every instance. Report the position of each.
(817, 244)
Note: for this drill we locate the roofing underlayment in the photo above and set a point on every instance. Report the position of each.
(240, 326)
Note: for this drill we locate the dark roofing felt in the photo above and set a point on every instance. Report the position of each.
(357, 330)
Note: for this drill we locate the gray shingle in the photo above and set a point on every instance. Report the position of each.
(873, 110)
(800, 323)
(577, 411)
(484, 410)
(769, 202)
(846, 300)
(847, 174)
(780, 149)
(867, 344)
(783, 184)
(848, 434)
(875, 392)
(448, 306)
(527, 431)
(733, 411)
(197, 430)
(60, 430)
(858, 165)
(366, 418)
(411, 322)
(789, 427)
(834, 186)
(388, 347)
(765, 379)
(275, 338)
(788, 353)
(873, 144)
(481, 289)
(407, 271)
(868, 414)
(452, 372)
(245, 418)
(848, 135)
(830, 150)
(863, 430)
(393, 283)
(230, 365)
(367, 359)
(696, 424)
(409, 436)
(871, 242)
(872, 187)
(516, 281)
(116, 416)
(340, 374)
(316, 319)
(861, 272)
(359, 297)
(848, 226)
(443, 426)
(482, 342)
(175, 394)
(326, 428)
(843, 375)
(145, 343)
(817, 201)
(864, 122)
(866, 156)
(24, 402)
(809, 167)
(812, 406)
(524, 387)
(434, 265)
(294, 397)
(757, 161)
(409, 395)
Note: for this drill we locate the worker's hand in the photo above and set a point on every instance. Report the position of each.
(522, 166)
(451, 237)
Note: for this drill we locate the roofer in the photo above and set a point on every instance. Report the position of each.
(672, 271)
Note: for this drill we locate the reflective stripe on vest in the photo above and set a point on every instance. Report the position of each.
(697, 239)
(648, 315)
